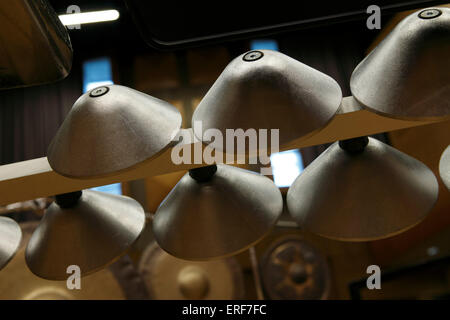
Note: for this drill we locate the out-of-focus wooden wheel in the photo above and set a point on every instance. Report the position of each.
(293, 269)
(168, 277)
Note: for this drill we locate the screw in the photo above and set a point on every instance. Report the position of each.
(97, 92)
(253, 55)
(430, 13)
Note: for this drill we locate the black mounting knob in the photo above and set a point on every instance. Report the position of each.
(203, 174)
(354, 145)
(68, 200)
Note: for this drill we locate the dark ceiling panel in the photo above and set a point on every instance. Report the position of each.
(165, 24)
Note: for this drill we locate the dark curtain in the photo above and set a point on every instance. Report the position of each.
(30, 117)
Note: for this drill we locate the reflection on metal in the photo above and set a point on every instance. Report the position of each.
(407, 75)
(48, 293)
(375, 193)
(266, 89)
(292, 269)
(168, 277)
(110, 129)
(10, 236)
(204, 219)
(34, 46)
(91, 231)
(444, 167)
(18, 282)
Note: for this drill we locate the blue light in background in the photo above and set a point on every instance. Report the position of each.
(115, 188)
(264, 44)
(287, 165)
(98, 72)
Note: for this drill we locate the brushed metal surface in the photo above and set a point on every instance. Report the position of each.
(112, 131)
(444, 167)
(407, 76)
(120, 281)
(375, 194)
(218, 218)
(10, 236)
(34, 45)
(92, 234)
(272, 91)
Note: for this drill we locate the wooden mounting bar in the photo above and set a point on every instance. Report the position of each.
(34, 178)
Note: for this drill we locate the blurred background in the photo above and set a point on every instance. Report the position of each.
(146, 53)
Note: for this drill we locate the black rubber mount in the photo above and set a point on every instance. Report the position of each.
(68, 200)
(430, 13)
(203, 174)
(253, 55)
(354, 145)
(98, 92)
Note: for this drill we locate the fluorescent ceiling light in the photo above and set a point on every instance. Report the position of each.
(89, 17)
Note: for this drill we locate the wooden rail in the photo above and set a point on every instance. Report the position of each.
(34, 178)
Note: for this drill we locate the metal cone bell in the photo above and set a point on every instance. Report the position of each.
(354, 192)
(17, 282)
(216, 214)
(90, 230)
(444, 167)
(10, 237)
(407, 75)
(110, 129)
(266, 89)
(34, 45)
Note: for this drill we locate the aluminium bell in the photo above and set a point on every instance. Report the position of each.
(110, 129)
(88, 229)
(10, 237)
(361, 190)
(35, 47)
(265, 89)
(213, 214)
(444, 167)
(407, 76)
